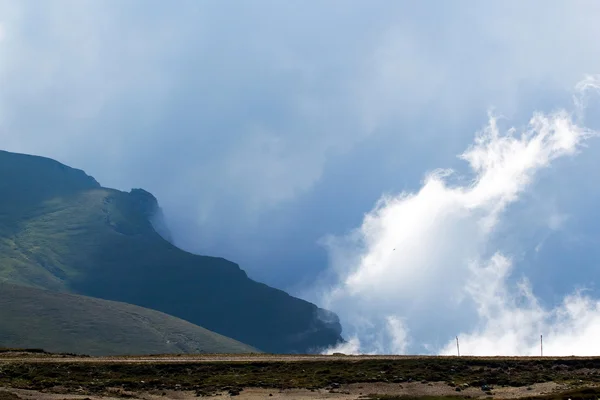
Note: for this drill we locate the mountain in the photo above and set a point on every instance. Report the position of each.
(60, 322)
(60, 230)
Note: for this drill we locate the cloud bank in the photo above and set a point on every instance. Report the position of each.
(244, 116)
(424, 266)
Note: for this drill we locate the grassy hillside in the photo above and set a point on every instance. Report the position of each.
(59, 322)
(60, 230)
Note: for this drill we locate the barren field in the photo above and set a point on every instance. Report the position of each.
(39, 375)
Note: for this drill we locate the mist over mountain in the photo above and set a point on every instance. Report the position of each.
(60, 230)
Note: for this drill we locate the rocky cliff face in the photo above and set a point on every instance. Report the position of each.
(148, 206)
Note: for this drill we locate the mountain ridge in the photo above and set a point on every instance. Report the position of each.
(61, 230)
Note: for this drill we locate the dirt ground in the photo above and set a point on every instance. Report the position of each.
(344, 392)
(228, 358)
(29, 375)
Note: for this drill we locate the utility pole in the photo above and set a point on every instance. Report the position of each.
(542, 345)
(457, 347)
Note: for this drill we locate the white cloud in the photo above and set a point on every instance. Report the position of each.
(352, 346)
(557, 221)
(510, 322)
(394, 338)
(234, 126)
(416, 256)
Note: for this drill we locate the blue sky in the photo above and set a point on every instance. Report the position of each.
(266, 127)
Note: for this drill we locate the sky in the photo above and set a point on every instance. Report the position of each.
(308, 140)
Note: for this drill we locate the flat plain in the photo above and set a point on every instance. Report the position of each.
(34, 374)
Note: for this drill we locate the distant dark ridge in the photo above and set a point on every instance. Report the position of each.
(43, 322)
(15, 350)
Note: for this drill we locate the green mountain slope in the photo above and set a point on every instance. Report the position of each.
(60, 230)
(59, 322)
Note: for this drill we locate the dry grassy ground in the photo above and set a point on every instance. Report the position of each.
(38, 375)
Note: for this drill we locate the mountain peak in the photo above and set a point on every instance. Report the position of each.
(42, 171)
(60, 230)
(145, 201)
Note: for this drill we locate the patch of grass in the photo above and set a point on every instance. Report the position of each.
(579, 394)
(65, 323)
(393, 397)
(587, 393)
(206, 377)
